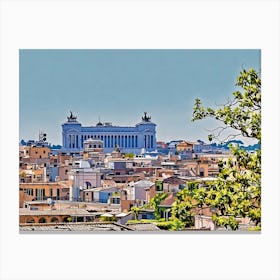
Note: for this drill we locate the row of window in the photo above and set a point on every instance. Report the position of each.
(110, 141)
(40, 193)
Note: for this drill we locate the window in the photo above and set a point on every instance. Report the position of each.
(28, 191)
(40, 194)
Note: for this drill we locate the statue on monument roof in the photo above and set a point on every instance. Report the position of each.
(146, 118)
(72, 118)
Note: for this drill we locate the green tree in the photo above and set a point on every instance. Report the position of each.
(182, 215)
(243, 113)
(155, 202)
(129, 155)
(135, 210)
(237, 190)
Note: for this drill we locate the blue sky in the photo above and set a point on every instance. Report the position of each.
(119, 85)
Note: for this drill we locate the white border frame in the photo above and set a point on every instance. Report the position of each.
(139, 24)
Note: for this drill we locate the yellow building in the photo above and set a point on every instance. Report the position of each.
(184, 146)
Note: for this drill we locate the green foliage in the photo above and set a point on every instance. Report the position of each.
(159, 186)
(237, 190)
(226, 221)
(135, 210)
(129, 222)
(108, 219)
(181, 211)
(256, 228)
(191, 186)
(115, 194)
(244, 112)
(129, 155)
(155, 202)
(166, 225)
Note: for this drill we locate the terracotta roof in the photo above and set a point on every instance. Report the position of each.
(168, 201)
(174, 180)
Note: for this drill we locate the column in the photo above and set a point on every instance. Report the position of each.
(145, 141)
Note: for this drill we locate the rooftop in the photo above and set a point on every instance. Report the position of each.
(93, 226)
(62, 212)
(144, 227)
(169, 201)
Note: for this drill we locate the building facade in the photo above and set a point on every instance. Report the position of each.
(129, 139)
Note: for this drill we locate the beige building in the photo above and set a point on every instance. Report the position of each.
(184, 146)
(42, 191)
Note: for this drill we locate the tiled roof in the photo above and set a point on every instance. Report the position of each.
(144, 227)
(174, 180)
(82, 227)
(144, 184)
(168, 201)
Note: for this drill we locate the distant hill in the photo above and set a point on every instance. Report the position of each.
(239, 143)
(56, 147)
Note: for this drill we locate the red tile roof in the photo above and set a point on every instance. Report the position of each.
(168, 201)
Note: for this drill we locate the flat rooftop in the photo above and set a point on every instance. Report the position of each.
(62, 212)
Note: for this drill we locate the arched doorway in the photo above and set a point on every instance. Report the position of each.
(42, 220)
(54, 220)
(30, 221)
